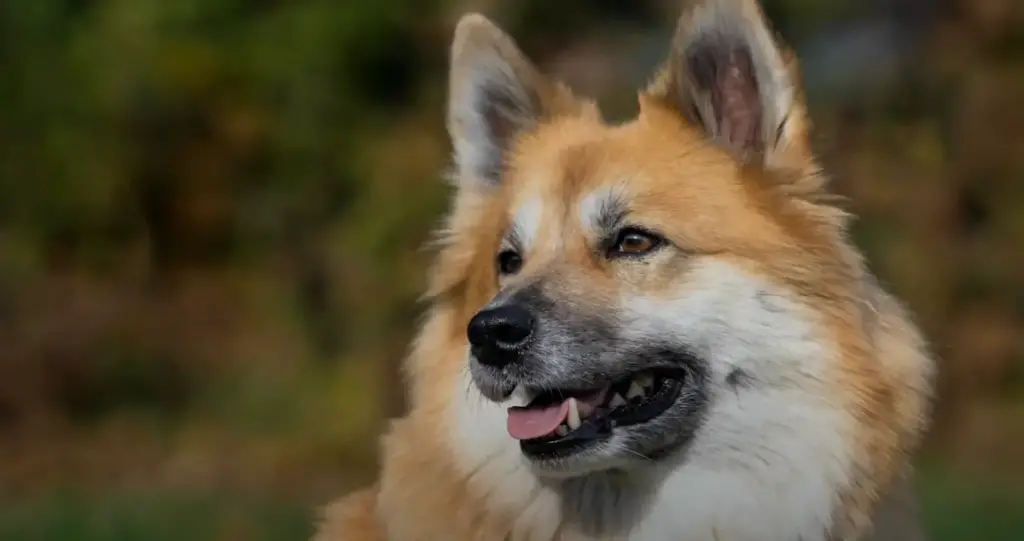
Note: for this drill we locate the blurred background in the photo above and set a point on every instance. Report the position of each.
(212, 214)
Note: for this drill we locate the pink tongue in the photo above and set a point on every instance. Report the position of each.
(529, 423)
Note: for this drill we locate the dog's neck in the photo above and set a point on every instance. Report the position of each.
(607, 505)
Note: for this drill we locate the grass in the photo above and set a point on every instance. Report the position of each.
(956, 508)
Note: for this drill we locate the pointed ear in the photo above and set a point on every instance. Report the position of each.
(495, 95)
(726, 74)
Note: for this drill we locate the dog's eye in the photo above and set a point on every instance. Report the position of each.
(509, 262)
(634, 242)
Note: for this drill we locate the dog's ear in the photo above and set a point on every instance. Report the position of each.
(495, 94)
(727, 74)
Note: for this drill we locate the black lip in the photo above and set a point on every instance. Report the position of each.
(599, 425)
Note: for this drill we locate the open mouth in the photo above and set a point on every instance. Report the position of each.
(561, 422)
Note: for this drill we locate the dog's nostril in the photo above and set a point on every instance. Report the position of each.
(511, 333)
(504, 328)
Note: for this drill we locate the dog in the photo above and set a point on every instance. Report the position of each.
(655, 330)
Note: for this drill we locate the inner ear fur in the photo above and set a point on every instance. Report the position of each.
(727, 74)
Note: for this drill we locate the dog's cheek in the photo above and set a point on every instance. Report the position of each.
(723, 314)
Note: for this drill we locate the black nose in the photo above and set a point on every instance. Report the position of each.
(497, 335)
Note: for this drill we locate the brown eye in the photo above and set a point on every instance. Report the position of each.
(509, 262)
(633, 242)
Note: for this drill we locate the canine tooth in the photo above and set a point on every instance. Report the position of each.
(574, 415)
(562, 430)
(646, 381)
(634, 391)
(617, 401)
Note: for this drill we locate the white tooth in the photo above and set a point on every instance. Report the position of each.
(574, 415)
(646, 381)
(617, 401)
(562, 430)
(634, 391)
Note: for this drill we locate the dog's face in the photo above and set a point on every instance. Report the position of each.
(630, 291)
(590, 239)
(644, 282)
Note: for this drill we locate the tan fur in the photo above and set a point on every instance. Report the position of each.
(772, 219)
(354, 517)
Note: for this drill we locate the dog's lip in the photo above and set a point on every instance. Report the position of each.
(595, 431)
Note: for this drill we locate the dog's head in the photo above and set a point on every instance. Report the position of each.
(674, 289)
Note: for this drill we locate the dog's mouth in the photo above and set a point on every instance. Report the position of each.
(563, 421)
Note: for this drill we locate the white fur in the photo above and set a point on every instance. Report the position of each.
(494, 464)
(593, 207)
(527, 221)
(771, 456)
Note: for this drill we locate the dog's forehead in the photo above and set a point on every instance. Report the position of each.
(566, 167)
(586, 175)
(555, 199)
